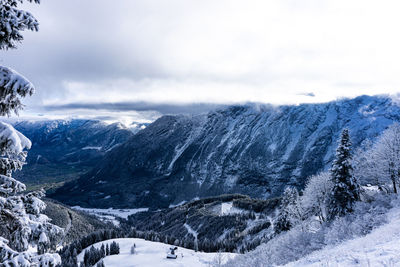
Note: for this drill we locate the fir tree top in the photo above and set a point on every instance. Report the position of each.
(345, 190)
(341, 166)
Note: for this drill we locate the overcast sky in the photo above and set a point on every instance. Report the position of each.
(153, 54)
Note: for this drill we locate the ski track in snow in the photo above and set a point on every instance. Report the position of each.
(190, 230)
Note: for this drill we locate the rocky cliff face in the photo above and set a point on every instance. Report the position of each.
(253, 150)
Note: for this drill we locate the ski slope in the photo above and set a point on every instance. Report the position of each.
(379, 248)
(153, 254)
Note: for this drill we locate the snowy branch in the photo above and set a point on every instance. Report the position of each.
(12, 140)
(13, 86)
(13, 21)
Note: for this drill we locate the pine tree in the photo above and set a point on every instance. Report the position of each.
(86, 257)
(21, 221)
(114, 248)
(75, 257)
(103, 251)
(289, 199)
(107, 250)
(345, 188)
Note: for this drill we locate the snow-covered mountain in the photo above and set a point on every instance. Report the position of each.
(256, 150)
(62, 149)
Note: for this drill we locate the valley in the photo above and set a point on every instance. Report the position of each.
(210, 183)
(64, 150)
(199, 133)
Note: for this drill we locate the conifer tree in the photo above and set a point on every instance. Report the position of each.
(289, 198)
(21, 222)
(102, 251)
(345, 188)
(107, 250)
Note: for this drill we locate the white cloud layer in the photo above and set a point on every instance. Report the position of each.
(225, 51)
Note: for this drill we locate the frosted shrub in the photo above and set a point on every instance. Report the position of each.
(379, 163)
(287, 247)
(218, 260)
(316, 195)
(293, 245)
(365, 218)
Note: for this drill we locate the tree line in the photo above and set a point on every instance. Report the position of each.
(93, 255)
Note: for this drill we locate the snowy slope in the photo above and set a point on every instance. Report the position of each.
(379, 248)
(153, 254)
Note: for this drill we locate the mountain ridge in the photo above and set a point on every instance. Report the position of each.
(255, 150)
(65, 149)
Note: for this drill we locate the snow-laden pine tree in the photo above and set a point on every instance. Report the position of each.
(345, 189)
(289, 200)
(22, 225)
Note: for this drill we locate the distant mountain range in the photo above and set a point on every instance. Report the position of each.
(65, 149)
(256, 150)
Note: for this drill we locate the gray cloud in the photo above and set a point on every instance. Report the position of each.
(194, 108)
(310, 94)
(123, 56)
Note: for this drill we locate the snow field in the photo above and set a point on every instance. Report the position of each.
(379, 248)
(122, 213)
(153, 254)
(227, 208)
(110, 215)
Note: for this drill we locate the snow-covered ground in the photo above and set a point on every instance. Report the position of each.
(92, 148)
(176, 205)
(153, 254)
(379, 248)
(110, 214)
(227, 208)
